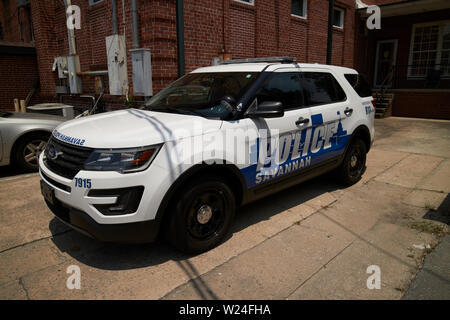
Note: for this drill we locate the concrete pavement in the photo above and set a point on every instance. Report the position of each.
(312, 241)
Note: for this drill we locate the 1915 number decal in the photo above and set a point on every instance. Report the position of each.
(83, 183)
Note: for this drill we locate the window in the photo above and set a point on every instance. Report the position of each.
(338, 17)
(430, 49)
(298, 8)
(359, 83)
(322, 88)
(202, 93)
(246, 1)
(92, 2)
(282, 87)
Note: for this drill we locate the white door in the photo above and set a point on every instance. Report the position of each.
(277, 143)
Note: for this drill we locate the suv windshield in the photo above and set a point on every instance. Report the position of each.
(211, 95)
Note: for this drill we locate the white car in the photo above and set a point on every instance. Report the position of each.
(219, 137)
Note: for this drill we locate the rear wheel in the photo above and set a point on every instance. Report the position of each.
(354, 163)
(28, 151)
(202, 216)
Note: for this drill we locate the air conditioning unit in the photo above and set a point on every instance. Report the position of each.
(57, 109)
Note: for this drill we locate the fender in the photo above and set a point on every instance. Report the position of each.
(229, 171)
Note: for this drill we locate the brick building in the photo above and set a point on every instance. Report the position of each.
(217, 28)
(407, 61)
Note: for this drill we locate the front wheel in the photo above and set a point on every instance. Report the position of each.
(354, 163)
(28, 151)
(202, 216)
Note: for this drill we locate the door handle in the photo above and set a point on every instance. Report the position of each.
(301, 121)
(348, 111)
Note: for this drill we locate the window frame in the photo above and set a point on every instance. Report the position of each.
(305, 10)
(305, 102)
(307, 99)
(249, 2)
(342, 15)
(439, 49)
(94, 2)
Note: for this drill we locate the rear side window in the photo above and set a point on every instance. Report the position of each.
(321, 88)
(360, 84)
(283, 87)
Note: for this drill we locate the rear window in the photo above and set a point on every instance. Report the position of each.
(322, 88)
(360, 84)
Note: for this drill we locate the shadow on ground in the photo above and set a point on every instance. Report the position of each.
(9, 171)
(442, 214)
(108, 256)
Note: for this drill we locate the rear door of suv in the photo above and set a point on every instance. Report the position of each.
(331, 113)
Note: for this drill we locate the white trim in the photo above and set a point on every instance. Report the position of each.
(305, 10)
(250, 3)
(342, 11)
(377, 55)
(440, 23)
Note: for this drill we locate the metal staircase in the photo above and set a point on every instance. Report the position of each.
(383, 104)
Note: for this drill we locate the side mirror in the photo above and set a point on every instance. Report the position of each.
(267, 109)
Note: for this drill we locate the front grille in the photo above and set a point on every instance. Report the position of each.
(70, 159)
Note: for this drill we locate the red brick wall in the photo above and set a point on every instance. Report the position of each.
(435, 105)
(18, 74)
(211, 29)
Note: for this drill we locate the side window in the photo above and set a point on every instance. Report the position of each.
(283, 87)
(321, 88)
(360, 84)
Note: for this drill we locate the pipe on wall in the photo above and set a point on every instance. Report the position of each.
(70, 32)
(330, 31)
(115, 28)
(180, 38)
(135, 23)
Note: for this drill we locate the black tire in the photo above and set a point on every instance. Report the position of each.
(26, 153)
(353, 165)
(189, 229)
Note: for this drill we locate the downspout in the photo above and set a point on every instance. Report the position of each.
(330, 31)
(115, 28)
(70, 32)
(135, 23)
(180, 38)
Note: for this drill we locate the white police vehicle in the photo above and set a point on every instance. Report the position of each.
(215, 139)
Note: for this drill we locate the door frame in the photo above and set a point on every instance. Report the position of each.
(377, 55)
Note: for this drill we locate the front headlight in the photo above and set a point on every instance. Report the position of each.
(122, 160)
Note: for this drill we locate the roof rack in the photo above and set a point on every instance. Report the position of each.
(254, 60)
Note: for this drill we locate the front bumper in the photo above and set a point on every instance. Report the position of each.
(81, 209)
(137, 232)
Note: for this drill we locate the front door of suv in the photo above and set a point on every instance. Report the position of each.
(277, 145)
(330, 113)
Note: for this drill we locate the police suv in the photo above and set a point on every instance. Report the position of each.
(217, 138)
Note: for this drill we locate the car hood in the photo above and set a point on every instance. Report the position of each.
(132, 128)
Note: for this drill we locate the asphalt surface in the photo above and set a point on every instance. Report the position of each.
(433, 280)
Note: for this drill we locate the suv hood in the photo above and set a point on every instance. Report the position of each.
(132, 128)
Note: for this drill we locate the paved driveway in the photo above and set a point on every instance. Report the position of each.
(313, 241)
